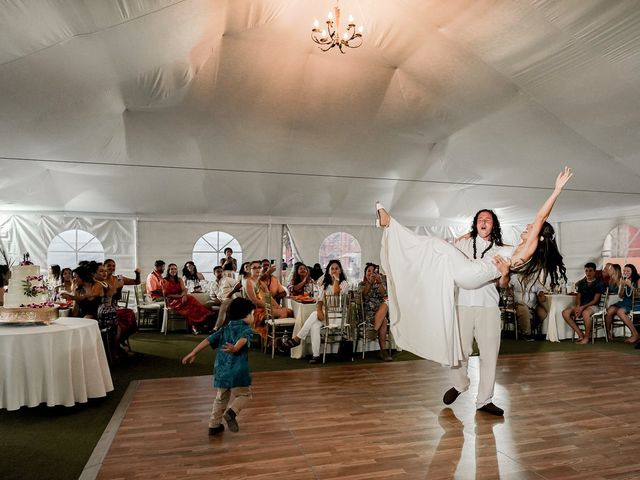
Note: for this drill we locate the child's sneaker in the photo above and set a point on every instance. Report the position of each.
(217, 429)
(230, 418)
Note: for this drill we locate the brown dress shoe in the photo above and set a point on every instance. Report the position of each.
(491, 409)
(450, 396)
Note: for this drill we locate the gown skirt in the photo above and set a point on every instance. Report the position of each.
(422, 273)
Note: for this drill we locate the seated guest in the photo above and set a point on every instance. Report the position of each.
(66, 282)
(251, 290)
(177, 298)
(316, 272)
(615, 277)
(531, 309)
(222, 291)
(301, 283)
(259, 292)
(375, 308)
(154, 282)
(191, 277)
(604, 275)
(227, 271)
(222, 287)
(627, 284)
(271, 284)
(334, 282)
(53, 279)
(125, 317)
(589, 290)
(87, 293)
(228, 258)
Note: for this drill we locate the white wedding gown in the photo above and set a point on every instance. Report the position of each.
(422, 273)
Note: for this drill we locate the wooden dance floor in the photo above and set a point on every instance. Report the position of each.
(568, 416)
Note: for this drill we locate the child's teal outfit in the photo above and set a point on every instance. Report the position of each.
(231, 370)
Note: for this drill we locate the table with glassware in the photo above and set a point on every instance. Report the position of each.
(62, 363)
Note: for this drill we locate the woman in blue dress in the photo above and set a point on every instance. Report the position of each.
(627, 284)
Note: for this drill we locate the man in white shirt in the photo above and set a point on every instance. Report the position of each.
(530, 306)
(221, 292)
(479, 314)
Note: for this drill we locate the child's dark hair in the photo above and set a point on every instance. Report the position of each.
(239, 308)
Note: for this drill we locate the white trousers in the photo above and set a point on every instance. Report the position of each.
(312, 326)
(484, 324)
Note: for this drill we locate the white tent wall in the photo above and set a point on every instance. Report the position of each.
(33, 233)
(308, 239)
(173, 241)
(582, 242)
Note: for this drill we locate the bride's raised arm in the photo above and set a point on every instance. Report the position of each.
(525, 251)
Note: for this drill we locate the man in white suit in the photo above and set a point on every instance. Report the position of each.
(479, 314)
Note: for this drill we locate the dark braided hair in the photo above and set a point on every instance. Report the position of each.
(495, 236)
(545, 263)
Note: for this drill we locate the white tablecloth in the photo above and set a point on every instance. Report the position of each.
(556, 328)
(60, 364)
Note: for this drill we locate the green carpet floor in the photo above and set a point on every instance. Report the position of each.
(56, 442)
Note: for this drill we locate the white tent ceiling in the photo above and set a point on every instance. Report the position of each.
(215, 107)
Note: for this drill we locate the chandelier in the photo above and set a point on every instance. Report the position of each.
(332, 37)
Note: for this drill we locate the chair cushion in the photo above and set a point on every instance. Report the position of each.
(150, 306)
(279, 322)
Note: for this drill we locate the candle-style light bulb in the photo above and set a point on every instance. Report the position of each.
(350, 18)
(330, 16)
(345, 35)
(316, 23)
(360, 29)
(323, 34)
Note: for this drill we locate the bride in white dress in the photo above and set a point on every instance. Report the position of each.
(422, 273)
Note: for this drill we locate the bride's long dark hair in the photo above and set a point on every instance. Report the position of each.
(545, 263)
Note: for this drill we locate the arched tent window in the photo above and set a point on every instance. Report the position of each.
(344, 247)
(622, 245)
(70, 247)
(209, 249)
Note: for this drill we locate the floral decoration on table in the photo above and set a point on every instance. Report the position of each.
(39, 305)
(31, 290)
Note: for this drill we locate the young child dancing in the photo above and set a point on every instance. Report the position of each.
(231, 368)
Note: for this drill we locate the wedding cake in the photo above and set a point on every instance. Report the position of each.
(26, 286)
(26, 300)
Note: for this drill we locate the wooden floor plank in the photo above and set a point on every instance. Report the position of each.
(569, 416)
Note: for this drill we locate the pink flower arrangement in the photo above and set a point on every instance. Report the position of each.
(33, 290)
(39, 305)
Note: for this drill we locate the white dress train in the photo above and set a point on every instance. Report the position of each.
(422, 273)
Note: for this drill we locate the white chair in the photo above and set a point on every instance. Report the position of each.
(508, 310)
(276, 327)
(597, 318)
(635, 312)
(335, 327)
(170, 319)
(148, 313)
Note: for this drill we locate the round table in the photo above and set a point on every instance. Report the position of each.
(60, 364)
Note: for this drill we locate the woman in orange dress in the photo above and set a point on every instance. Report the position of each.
(176, 298)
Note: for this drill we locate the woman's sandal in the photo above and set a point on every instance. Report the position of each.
(290, 343)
